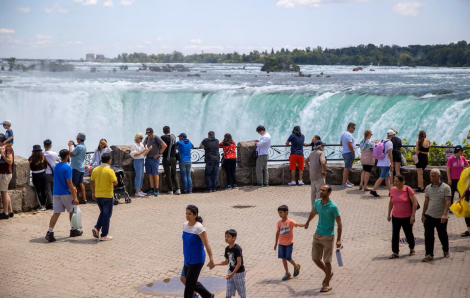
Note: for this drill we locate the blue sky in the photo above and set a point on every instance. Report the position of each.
(72, 28)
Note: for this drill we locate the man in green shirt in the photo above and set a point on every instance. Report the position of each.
(322, 246)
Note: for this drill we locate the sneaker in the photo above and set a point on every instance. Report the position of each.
(297, 270)
(195, 296)
(266, 185)
(419, 190)
(349, 183)
(207, 191)
(150, 192)
(234, 186)
(190, 191)
(346, 185)
(301, 183)
(156, 193)
(428, 258)
(11, 214)
(177, 192)
(214, 190)
(83, 202)
(4, 216)
(292, 183)
(170, 192)
(374, 193)
(287, 276)
(446, 255)
(75, 233)
(228, 187)
(106, 238)
(42, 208)
(50, 236)
(140, 195)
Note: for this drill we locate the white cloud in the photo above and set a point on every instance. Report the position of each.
(313, 3)
(42, 39)
(139, 46)
(127, 2)
(25, 9)
(55, 9)
(87, 2)
(198, 41)
(6, 31)
(108, 3)
(220, 48)
(159, 39)
(408, 8)
(148, 42)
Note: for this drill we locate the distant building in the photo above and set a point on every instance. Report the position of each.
(90, 57)
(100, 57)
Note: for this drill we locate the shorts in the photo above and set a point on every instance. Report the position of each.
(295, 161)
(182, 272)
(422, 161)
(5, 181)
(77, 177)
(396, 156)
(60, 203)
(322, 248)
(285, 251)
(237, 282)
(348, 160)
(151, 166)
(384, 172)
(367, 168)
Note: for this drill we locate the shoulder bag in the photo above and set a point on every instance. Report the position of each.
(418, 206)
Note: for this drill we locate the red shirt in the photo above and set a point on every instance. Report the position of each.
(5, 168)
(229, 151)
(401, 202)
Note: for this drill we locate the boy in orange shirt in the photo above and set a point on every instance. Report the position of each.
(285, 235)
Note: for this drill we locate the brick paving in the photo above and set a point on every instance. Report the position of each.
(147, 248)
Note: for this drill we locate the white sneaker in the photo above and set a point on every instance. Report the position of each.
(143, 193)
(107, 238)
(349, 183)
(170, 192)
(345, 185)
(139, 194)
(292, 183)
(301, 183)
(177, 192)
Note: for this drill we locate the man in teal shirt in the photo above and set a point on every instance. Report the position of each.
(322, 246)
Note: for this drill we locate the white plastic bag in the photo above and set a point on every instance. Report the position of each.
(76, 221)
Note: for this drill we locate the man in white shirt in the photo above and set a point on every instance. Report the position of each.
(51, 157)
(349, 147)
(262, 148)
(384, 164)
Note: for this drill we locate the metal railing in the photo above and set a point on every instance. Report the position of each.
(281, 153)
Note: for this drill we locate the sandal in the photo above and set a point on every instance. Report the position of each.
(412, 253)
(323, 284)
(394, 256)
(96, 233)
(360, 187)
(326, 289)
(465, 234)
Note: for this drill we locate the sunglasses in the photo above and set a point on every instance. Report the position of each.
(148, 133)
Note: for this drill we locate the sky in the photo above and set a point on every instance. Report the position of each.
(69, 29)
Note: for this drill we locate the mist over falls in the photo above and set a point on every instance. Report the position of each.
(115, 106)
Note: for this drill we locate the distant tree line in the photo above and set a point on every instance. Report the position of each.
(451, 55)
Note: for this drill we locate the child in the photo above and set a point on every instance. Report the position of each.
(285, 235)
(8, 134)
(236, 273)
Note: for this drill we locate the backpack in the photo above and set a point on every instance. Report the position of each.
(379, 150)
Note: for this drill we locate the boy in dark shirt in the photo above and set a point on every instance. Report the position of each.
(236, 273)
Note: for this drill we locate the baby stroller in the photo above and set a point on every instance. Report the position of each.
(120, 188)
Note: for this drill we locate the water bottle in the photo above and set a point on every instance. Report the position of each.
(339, 258)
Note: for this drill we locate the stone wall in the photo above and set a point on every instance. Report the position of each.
(24, 198)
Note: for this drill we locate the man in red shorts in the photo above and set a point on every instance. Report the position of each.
(296, 158)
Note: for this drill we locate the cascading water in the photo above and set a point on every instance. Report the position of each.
(115, 106)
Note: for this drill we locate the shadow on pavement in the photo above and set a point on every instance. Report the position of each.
(42, 240)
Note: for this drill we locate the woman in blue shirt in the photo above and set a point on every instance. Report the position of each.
(194, 240)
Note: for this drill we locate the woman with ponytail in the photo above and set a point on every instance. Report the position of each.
(194, 241)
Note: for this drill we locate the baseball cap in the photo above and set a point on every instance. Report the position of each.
(458, 148)
(390, 132)
(319, 143)
(183, 135)
(7, 122)
(81, 136)
(149, 130)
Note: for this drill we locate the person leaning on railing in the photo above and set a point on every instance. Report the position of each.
(262, 149)
(455, 166)
(296, 158)
(230, 160)
(138, 152)
(367, 160)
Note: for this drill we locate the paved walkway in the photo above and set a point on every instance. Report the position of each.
(147, 248)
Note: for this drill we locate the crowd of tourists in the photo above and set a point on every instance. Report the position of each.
(57, 178)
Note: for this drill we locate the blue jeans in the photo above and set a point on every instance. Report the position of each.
(285, 251)
(106, 210)
(185, 171)
(139, 173)
(212, 167)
